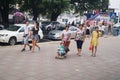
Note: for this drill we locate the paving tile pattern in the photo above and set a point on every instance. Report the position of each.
(41, 65)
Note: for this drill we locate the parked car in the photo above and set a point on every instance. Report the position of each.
(1, 27)
(56, 34)
(32, 22)
(44, 24)
(14, 34)
(47, 25)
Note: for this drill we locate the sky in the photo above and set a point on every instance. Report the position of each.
(114, 4)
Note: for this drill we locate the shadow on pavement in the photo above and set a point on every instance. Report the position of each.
(20, 43)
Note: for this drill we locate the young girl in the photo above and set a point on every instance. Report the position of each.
(94, 41)
(35, 36)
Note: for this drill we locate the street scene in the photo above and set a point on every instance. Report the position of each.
(59, 40)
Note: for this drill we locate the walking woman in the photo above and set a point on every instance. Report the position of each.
(35, 36)
(88, 31)
(66, 36)
(80, 38)
(94, 41)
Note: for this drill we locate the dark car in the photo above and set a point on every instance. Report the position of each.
(1, 27)
(47, 25)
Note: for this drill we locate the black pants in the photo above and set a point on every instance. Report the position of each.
(79, 44)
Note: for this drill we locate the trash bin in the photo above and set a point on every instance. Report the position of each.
(116, 31)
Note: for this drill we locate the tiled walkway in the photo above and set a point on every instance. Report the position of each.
(42, 65)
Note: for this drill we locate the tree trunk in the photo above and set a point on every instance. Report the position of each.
(5, 21)
(4, 14)
(54, 16)
(34, 9)
(35, 17)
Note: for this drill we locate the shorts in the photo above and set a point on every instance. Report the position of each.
(26, 38)
(79, 44)
(35, 37)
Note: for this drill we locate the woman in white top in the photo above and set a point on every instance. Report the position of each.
(66, 36)
(79, 38)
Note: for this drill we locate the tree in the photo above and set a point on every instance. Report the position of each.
(54, 8)
(4, 10)
(88, 5)
(5, 6)
(35, 7)
(51, 8)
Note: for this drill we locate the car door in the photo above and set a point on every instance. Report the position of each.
(20, 34)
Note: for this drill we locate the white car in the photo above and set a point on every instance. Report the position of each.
(56, 34)
(14, 34)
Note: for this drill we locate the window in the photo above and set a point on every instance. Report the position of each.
(22, 29)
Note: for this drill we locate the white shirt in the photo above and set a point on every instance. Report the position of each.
(66, 33)
(88, 28)
(100, 28)
(26, 30)
(103, 28)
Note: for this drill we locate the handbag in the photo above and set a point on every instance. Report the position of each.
(90, 47)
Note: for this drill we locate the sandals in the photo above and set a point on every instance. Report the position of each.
(78, 54)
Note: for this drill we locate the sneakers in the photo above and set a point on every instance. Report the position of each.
(23, 50)
(30, 47)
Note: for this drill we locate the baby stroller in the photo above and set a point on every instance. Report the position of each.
(61, 51)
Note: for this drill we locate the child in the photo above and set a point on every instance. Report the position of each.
(61, 51)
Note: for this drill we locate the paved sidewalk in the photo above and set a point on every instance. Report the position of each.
(42, 65)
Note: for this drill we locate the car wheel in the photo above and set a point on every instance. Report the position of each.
(48, 29)
(12, 41)
(0, 28)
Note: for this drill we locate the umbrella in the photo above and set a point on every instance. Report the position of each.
(18, 14)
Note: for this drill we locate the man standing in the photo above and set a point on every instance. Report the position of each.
(103, 29)
(26, 36)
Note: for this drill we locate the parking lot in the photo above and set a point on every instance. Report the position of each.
(42, 65)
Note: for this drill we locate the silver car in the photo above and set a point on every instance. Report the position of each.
(47, 25)
(56, 34)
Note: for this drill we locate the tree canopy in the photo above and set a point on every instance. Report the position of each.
(88, 5)
(51, 8)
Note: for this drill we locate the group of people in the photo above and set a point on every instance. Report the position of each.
(80, 36)
(31, 33)
(63, 48)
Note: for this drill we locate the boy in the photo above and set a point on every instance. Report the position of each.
(61, 51)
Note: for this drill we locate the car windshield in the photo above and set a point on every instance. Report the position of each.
(13, 28)
(61, 28)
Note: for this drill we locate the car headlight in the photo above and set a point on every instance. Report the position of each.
(57, 34)
(3, 35)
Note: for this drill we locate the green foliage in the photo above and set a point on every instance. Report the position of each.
(45, 7)
(87, 5)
